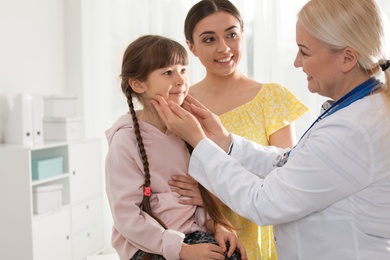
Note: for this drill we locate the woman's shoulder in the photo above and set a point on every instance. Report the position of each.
(273, 88)
(278, 100)
(275, 92)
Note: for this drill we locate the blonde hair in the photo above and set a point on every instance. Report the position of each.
(357, 24)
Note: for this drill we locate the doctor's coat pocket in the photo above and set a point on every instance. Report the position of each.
(335, 236)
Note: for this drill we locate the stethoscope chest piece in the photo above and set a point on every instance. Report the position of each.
(281, 160)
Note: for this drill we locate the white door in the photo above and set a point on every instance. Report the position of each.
(52, 237)
(85, 170)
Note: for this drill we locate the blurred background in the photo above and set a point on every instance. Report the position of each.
(76, 46)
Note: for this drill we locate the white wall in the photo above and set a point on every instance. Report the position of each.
(32, 50)
(48, 47)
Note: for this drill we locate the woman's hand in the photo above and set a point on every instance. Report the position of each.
(201, 251)
(188, 187)
(222, 235)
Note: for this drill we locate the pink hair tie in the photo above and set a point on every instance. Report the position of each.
(147, 191)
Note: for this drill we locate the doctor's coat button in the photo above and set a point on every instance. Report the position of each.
(274, 238)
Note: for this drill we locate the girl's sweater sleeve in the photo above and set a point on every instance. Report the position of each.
(124, 187)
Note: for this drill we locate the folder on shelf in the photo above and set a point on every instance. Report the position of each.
(19, 126)
(25, 122)
(37, 118)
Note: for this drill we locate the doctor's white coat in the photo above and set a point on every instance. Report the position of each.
(331, 200)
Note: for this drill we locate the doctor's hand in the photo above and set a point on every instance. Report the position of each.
(210, 123)
(179, 121)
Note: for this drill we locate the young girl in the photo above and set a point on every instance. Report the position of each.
(149, 222)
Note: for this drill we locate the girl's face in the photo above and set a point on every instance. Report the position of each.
(217, 43)
(323, 68)
(170, 82)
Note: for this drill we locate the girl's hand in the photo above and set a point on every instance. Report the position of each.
(222, 235)
(201, 251)
(188, 187)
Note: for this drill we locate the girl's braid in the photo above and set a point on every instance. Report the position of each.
(145, 201)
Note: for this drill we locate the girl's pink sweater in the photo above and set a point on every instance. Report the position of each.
(134, 229)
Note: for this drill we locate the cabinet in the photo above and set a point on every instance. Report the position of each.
(73, 231)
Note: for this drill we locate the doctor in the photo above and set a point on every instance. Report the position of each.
(329, 197)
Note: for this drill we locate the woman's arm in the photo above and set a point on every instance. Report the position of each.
(284, 137)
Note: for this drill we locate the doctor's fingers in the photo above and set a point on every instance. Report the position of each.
(161, 107)
(190, 99)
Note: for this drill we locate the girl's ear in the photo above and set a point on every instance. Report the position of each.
(350, 59)
(137, 86)
(191, 47)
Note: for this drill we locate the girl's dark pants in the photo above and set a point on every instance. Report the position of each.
(196, 237)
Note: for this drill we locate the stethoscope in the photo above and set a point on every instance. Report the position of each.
(357, 93)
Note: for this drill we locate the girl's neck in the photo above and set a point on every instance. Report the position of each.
(150, 116)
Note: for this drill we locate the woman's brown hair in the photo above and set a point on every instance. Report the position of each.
(205, 8)
(143, 56)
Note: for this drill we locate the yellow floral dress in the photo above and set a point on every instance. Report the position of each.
(273, 108)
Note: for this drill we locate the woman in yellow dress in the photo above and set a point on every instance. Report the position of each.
(260, 112)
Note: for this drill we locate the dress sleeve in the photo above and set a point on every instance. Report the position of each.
(124, 187)
(281, 107)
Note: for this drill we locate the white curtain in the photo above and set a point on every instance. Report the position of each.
(109, 26)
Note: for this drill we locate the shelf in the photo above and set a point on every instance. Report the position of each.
(58, 231)
(48, 180)
(46, 214)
